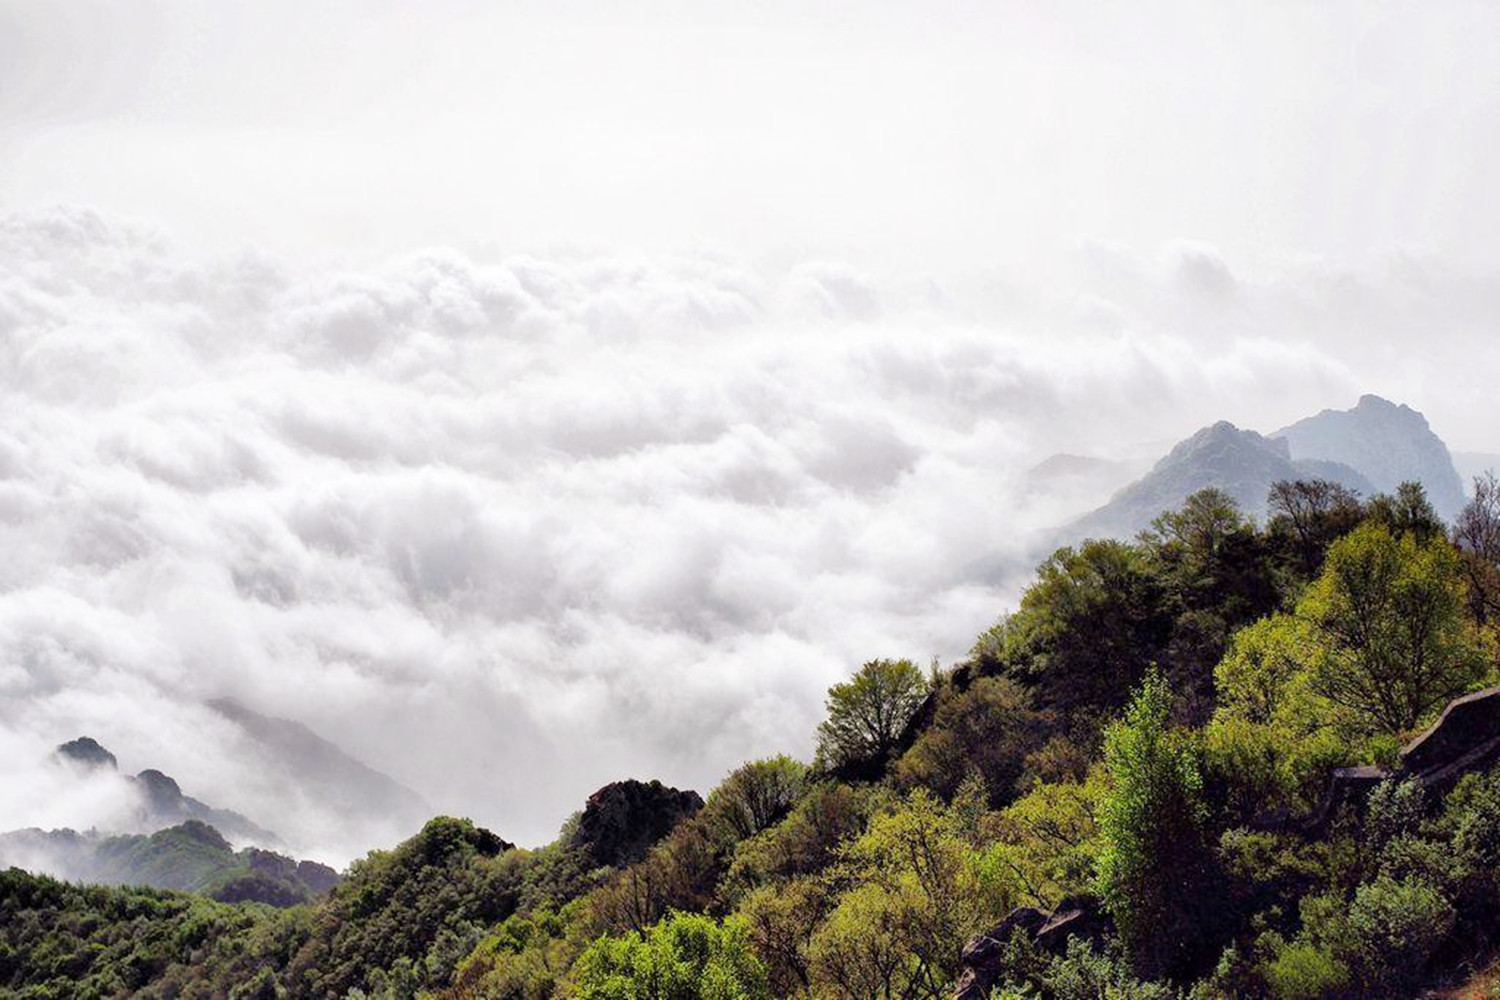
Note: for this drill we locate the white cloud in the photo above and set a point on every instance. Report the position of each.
(510, 529)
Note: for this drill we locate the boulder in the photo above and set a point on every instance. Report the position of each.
(982, 956)
(1076, 916)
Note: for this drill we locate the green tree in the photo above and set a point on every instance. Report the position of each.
(867, 715)
(806, 842)
(1154, 857)
(1407, 512)
(1273, 738)
(1305, 517)
(781, 920)
(685, 957)
(1202, 526)
(917, 894)
(1045, 843)
(1086, 631)
(1394, 641)
(755, 796)
(1218, 576)
(988, 729)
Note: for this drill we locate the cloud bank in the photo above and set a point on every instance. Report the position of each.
(509, 529)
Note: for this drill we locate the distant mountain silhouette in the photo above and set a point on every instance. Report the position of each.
(164, 805)
(1242, 463)
(1387, 443)
(1371, 449)
(191, 856)
(161, 802)
(324, 772)
(87, 753)
(1071, 478)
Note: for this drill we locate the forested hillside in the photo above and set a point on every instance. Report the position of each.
(1129, 790)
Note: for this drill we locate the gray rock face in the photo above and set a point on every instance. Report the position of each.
(1242, 463)
(1387, 443)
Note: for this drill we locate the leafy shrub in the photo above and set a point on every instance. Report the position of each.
(685, 957)
(1305, 972)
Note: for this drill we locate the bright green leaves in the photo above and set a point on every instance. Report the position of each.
(685, 957)
(1152, 824)
(1394, 642)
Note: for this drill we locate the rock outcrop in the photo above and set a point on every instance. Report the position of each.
(624, 819)
(982, 961)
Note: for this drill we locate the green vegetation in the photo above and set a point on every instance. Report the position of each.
(685, 957)
(1153, 864)
(867, 716)
(1143, 743)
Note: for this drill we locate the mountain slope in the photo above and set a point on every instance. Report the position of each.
(1242, 463)
(365, 799)
(192, 857)
(1387, 443)
(158, 800)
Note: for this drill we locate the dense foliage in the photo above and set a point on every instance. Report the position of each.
(1145, 738)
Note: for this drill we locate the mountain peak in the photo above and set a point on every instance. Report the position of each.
(162, 791)
(1389, 442)
(1240, 462)
(87, 751)
(1371, 401)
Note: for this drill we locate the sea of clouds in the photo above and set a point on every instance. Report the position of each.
(509, 527)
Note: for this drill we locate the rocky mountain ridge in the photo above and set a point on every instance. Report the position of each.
(1370, 448)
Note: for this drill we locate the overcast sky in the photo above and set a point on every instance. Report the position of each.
(531, 395)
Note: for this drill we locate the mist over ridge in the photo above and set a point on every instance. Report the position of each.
(457, 514)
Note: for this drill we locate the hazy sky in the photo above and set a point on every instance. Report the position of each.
(927, 136)
(531, 395)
